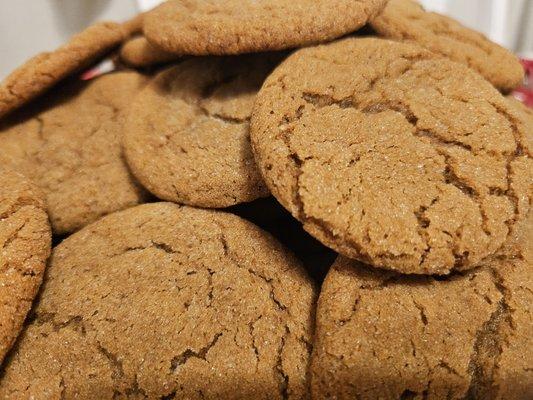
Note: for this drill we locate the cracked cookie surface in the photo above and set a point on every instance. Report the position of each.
(25, 240)
(211, 27)
(162, 301)
(187, 133)
(69, 145)
(393, 155)
(46, 69)
(465, 336)
(407, 20)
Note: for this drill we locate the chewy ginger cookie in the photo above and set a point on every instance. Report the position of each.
(43, 71)
(187, 132)
(69, 145)
(25, 240)
(392, 155)
(163, 301)
(383, 335)
(407, 20)
(140, 53)
(210, 27)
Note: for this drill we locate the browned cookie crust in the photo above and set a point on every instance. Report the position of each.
(140, 53)
(407, 20)
(187, 133)
(392, 155)
(161, 302)
(25, 241)
(386, 336)
(70, 147)
(211, 27)
(46, 69)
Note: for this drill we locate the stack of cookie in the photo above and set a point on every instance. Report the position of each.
(196, 197)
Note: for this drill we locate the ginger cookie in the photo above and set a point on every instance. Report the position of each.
(209, 27)
(133, 26)
(43, 71)
(392, 155)
(140, 53)
(25, 240)
(70, 146)
(383, 335)
(407, 20)
(187, 133)
(163, 301)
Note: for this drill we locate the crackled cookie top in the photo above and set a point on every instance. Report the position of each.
(187, 133)
(140, 53)
(407, 20)
(161, 301)
(204, 27)
(383, 335)
(46, 69)
(25, 241)
(69, 145)
(392, 155)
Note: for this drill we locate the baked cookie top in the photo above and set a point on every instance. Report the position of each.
(384, 335)
(393, 155)
(140, 53)
(187, 133)
(210, 27)
(43, 71)
(164, 301)
(69, 145)
(25, 241)
(407, 20)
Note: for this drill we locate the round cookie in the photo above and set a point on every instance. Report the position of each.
(387, 336)
(43, 71)
(210, 27)
(25, 241)
(140, 53)
(187, 132)
(392, 155)
(69, 145)
(162, 301)
(407, 20)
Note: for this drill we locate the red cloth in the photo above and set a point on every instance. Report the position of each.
(525, 93)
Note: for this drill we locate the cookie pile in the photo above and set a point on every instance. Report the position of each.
(267, 199)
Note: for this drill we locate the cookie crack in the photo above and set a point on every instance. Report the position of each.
(75, 322)
(251, 329)
(519, 151)
(114, 361)
(135, 389)
(488, 345)
(182, 358)
(153, 245)
(15, 235)
(227, 252)
(223, 118)
(283, 378)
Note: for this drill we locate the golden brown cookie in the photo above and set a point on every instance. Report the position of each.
(387, 336)
(187, 133)
(392, 155)
(210, 27)
(25, 240)
(70, 147)
(140, 53)
(133, 26)
(407, 20)
(161, 302)
(43, 71)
